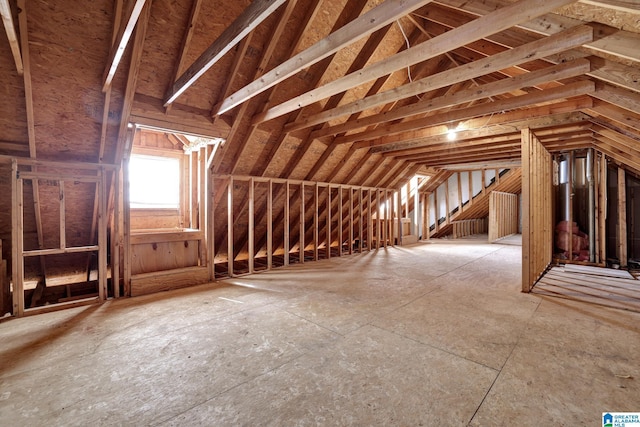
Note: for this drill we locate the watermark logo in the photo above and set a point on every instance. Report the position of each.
(621, 419)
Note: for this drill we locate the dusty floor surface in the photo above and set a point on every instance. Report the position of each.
(433, 334)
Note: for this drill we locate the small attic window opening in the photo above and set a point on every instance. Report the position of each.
(154, 182)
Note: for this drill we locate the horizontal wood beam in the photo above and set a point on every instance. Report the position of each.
(547, 116)
(494, 22)
(618, 96)
(368, 23)
(535, 50)
(614, 42)
(557, 72)
(627, 6)
(456, 116)
(10, 29)
(122, 41)
(251, 17)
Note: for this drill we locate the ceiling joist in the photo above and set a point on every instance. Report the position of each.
(364, 25)
(496, 21)
(557, 72)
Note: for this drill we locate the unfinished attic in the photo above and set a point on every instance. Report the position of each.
(157, 145)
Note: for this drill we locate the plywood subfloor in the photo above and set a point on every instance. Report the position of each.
(432, 334)
(602, 286)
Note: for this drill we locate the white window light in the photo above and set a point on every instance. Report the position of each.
(154, 182)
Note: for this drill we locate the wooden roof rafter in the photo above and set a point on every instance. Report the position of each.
(561, 71)
(122, 41)
(489, 108)
(558, 115)
(251, 17)
(496, 21)
(533, 50)
(364, 25)
(10, 29)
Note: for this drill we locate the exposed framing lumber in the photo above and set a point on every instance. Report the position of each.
(623, 252)
(557, 72)
(7, 20)
(364, 25)
(185, 43)
(543, 116)
(251, 17)
(619, 43)
(535, 50)
(455, 116)
(628, 6)
(494, 22)
(122, 41)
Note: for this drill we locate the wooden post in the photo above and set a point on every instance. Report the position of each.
(369, 221)
(210, 221)
(340, 201)
(526, 200)
(61, 204)
(329, 223)
(316, 219)
(602, 209)
(470, 188)
(17, 263)
(251, 225)
(301, 239)
(230, 227)
(287, 206)
(126, 208)
(350, 220)
(202, 204)
(270, 226)
(115, 234)
(102, 235)
(446, 201)
(360, 221)
(622, 218)
(385, 229)
(193, 189)
(416, 208)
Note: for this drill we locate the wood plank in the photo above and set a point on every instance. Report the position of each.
(122, 41)
(250, 18)
(494, 22)
(598, 271)
(368, 23)
(622, 218)
(626, 6)
(186, 42)
(575, 292)
(142, 284)
(556, 72)
(10, 29)
(534, 98)
(618, 43)
(587, 278)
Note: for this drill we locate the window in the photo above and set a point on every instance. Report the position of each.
(154, 182)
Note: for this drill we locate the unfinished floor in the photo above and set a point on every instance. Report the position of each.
(434, 334)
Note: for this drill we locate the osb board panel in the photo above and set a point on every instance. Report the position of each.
(66, 74)
(161, 256)
(162, 45)
(591, 13)
(5, 212)
(13, 116)
(308, 160)
(142, 285)
(143, 219)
